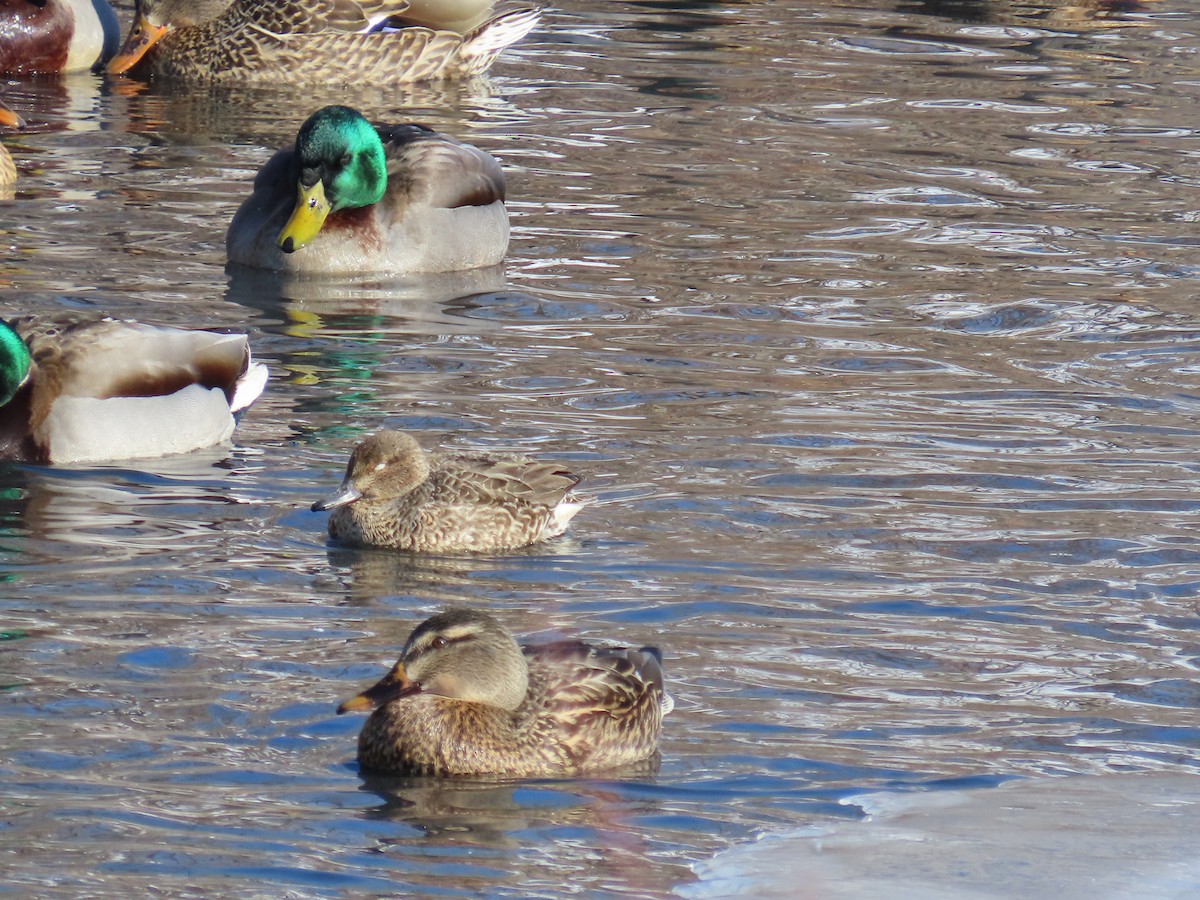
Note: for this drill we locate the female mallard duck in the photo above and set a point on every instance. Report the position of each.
(352, 199)
(39, 36)
(397, 495)
(341, 42)
(8, 170)
(76, 389)
(8, 174)
(466, 699)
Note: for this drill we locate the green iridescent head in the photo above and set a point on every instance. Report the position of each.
(342, 166)
(15, 363)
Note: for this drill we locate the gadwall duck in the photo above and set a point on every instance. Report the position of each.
(395, 494)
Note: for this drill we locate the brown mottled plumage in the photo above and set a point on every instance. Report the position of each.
(397, 495)
(8, 169)
(466, 699)
(308, 41)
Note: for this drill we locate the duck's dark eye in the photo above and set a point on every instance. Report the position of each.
(438, 642)
(346, 157)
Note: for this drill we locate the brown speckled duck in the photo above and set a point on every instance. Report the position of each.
(75, 388)
(47, 36)
(397, 495)
(8, 169)
(318, 41)
(466, 699)
(352, 198)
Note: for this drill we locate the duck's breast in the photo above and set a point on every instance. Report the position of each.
(57, 36)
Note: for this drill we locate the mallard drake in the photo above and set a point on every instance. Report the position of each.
(467, 699)
(397, 495)
(38, 36)
(351, 198)
(343, 42)
(79, 389)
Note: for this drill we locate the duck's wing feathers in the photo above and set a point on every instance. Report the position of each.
(583, 680)
(503, 480)
(433, 170)
(104, 358)
(317, 16)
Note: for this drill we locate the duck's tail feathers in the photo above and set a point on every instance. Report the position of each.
(649, 665)
(249, 387)
(485, 43)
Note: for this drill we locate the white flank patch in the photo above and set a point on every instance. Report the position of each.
(563, 514)
(84, 429)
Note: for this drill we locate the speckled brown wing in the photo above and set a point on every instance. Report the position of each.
(312, 16)
(273, 41)
(607, 701)
(499, 480)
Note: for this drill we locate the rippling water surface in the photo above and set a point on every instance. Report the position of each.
(873, 325)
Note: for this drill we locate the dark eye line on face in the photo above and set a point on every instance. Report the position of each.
(438, 642)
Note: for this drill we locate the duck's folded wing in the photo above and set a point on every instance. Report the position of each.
(125, 359)
(500, 480)
(429, 169)
(584, 679)
(315, 16)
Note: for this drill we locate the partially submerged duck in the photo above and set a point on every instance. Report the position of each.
(466, 699)
(346, 42)
(80, 389)
(397, 495)
(352, 198)
(47, 36)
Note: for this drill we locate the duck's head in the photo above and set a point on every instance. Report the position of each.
(155, 19)
(342, 166)
(461, 654)
(384, 466)
(15, 363)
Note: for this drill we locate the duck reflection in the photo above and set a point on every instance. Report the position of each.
(223, 113)
(432, 304)
(117, 511)
(503, 814)
(372, 574)
(592, 824)
(61, 103)
(1056, 13)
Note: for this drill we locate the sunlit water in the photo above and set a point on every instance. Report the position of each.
(873, 327)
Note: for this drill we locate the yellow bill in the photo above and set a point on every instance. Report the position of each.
(306, 219)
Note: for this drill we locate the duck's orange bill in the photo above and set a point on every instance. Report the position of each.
(393, 685)
(10, 118)
(142, 36)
